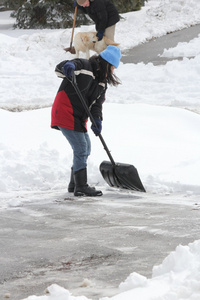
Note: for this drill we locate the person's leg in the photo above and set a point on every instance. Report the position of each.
(81, 145)
(81, 149)
(110, 32)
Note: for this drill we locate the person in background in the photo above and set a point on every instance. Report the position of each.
(103, 13)
(69, 116)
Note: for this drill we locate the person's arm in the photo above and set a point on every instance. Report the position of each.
(101, 18)
(59, 69)
(62, 69)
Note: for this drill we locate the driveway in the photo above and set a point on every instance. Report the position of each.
(149, 52)
(89, 246)
(96, 243)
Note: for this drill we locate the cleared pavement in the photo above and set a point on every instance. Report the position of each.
(149, 52)
(51, 240)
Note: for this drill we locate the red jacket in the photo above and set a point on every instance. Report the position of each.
(67, 110)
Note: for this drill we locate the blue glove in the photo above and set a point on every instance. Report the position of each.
(97, 130)
(75, 3)
(68, 69)
(100, 34)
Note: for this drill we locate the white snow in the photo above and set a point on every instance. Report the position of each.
(150, 121)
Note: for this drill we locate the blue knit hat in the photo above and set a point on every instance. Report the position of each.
(112, 55)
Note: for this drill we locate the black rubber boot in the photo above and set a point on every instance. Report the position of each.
(81, 186)
(71, 185)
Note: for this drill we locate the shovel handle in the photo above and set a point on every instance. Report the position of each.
(107, 150)
(75, 13)
(74, 84)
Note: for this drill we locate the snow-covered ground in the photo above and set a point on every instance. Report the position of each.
(145, 124)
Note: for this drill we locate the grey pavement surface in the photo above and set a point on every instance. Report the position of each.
(51, 240)
(149, 52)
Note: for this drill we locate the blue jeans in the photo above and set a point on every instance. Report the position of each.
(81, 145)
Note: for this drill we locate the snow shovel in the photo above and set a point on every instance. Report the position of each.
(115, 174)
(70, 48)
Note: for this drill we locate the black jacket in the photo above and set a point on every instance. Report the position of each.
(102, 12)
(67, 110)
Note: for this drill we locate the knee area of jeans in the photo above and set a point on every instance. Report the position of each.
(81, 154)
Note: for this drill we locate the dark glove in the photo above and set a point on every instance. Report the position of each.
(97, 130)
(75, 3)
(68, 69)
(100, 34)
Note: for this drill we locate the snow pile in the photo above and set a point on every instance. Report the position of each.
(159, 85)
(156, 19)
(176, 278)
(190, 49)
(35, 157)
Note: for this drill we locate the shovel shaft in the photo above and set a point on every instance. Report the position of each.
(106, 149)
(116, 175)
(75, 13)
(73, 81)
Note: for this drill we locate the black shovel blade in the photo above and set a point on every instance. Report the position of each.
(121, 176)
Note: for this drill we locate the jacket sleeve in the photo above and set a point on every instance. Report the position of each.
(102, 15)
(59, 68)
(98, 13)
(80, 7)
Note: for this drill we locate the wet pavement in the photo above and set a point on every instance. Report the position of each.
(150, 51)
(94, 242)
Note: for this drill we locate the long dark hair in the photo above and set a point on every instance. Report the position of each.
(102, 70)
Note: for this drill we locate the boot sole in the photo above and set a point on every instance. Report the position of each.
(81, 194)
